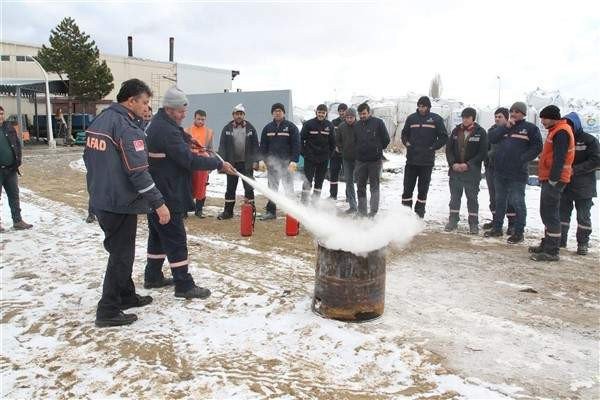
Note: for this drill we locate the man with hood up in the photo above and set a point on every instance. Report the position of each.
(582, 188)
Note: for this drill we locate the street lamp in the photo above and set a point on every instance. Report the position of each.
(51, 141)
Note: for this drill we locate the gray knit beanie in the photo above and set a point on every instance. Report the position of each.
(520, 107)
(174, 98)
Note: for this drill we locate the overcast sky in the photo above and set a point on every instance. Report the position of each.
(328, 50)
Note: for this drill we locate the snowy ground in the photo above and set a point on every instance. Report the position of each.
(465, 317)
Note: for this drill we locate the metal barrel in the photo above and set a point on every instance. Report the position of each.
(349, 287)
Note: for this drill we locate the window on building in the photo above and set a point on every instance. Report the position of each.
(20, 58)
(4, 58)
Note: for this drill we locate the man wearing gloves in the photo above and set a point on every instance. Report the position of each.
(120, 188)
(239, 146)
(317, 143)
(582, 188)
(554, 173)
(465, 151)
(280, 149)
(171, 163)
(371, 139)
(346, 143)
(424, 132)
(518, 143)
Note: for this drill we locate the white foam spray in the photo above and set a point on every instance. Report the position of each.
(358, 236)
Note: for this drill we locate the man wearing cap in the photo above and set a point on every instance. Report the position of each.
(336, 161)
(203, 137)
(372, 138)
(120, 188)
(424, 132)
(500, 119)
(280, 149)
(465, 151)
(554, 173)
(345, 141)
(171, 163)
(582, 188)
(518, 142)
(239, 146)
(317, 143)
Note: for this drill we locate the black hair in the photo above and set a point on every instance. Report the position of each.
(132, 88)
(322, 107)
(342, 107)
(201, 113)
(503, 111)
(363, 107)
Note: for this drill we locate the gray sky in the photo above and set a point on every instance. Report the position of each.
(324, 50)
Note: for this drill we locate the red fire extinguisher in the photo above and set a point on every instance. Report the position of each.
(247, 219)
(292, 226)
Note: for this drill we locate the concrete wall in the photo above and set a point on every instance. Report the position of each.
(219, 106)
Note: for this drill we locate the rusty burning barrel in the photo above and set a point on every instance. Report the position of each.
(349, 287)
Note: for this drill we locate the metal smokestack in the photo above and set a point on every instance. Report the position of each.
(129, 46)
(171, 46)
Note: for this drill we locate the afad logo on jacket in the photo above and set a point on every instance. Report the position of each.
(430, 119)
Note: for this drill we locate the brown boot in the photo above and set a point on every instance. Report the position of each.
(22, 225)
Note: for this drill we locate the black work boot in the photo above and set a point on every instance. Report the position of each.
(185, 287)
(199, 208)
(537, 249)
(452, 222)
(420, 209)
(117, 320)
(195, 292)
(582, 249)
(488, 225)
(473, 225)
(135, 301)
(543, 256)
(515, 238)
(227, 211)
(493, 233)
(153, 274)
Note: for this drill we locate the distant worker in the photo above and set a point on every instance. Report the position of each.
(518, 142)
(500, 119)
(120, 188)
(424, 132)
(239, 146)
(171, 164)
(465, 151)
(280, 149)
(346, 144)
(336, 160)
(554, 173)
(372, 138)
(202, 136)
(10, 161)
(317, 143)
(582, 188)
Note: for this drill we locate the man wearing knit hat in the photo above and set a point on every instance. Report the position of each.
(424, 132)
(280, 149)
(171, 164)
(554, 173)
(518, 142)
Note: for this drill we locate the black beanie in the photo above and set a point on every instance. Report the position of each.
(550, 112)
(469, 112)
(277, 106)
(424, 101)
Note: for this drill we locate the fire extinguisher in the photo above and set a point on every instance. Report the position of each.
(292, 226)
(247, 219)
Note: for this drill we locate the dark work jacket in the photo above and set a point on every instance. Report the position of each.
(517, 146)
(116, 159)
(423, 135)
(280, 141)
(172, 161)
(336, 124)
(9, 131)
(586, 163)
(372, 138)
(345, 140)
(489, 160)
(475, 152)
(226, 144)
(317, 140)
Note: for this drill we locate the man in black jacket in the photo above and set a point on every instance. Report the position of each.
(465, 151)
(582, 188)
(120, 188)
(345, 140)
(10, 161)
(371, 139)
(239, 146)
(280, 149)
(336, 161)
(171, 163)
(317, 143)
(424, 132)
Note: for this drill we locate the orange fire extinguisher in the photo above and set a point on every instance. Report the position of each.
(248, 216)
(292, 226)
